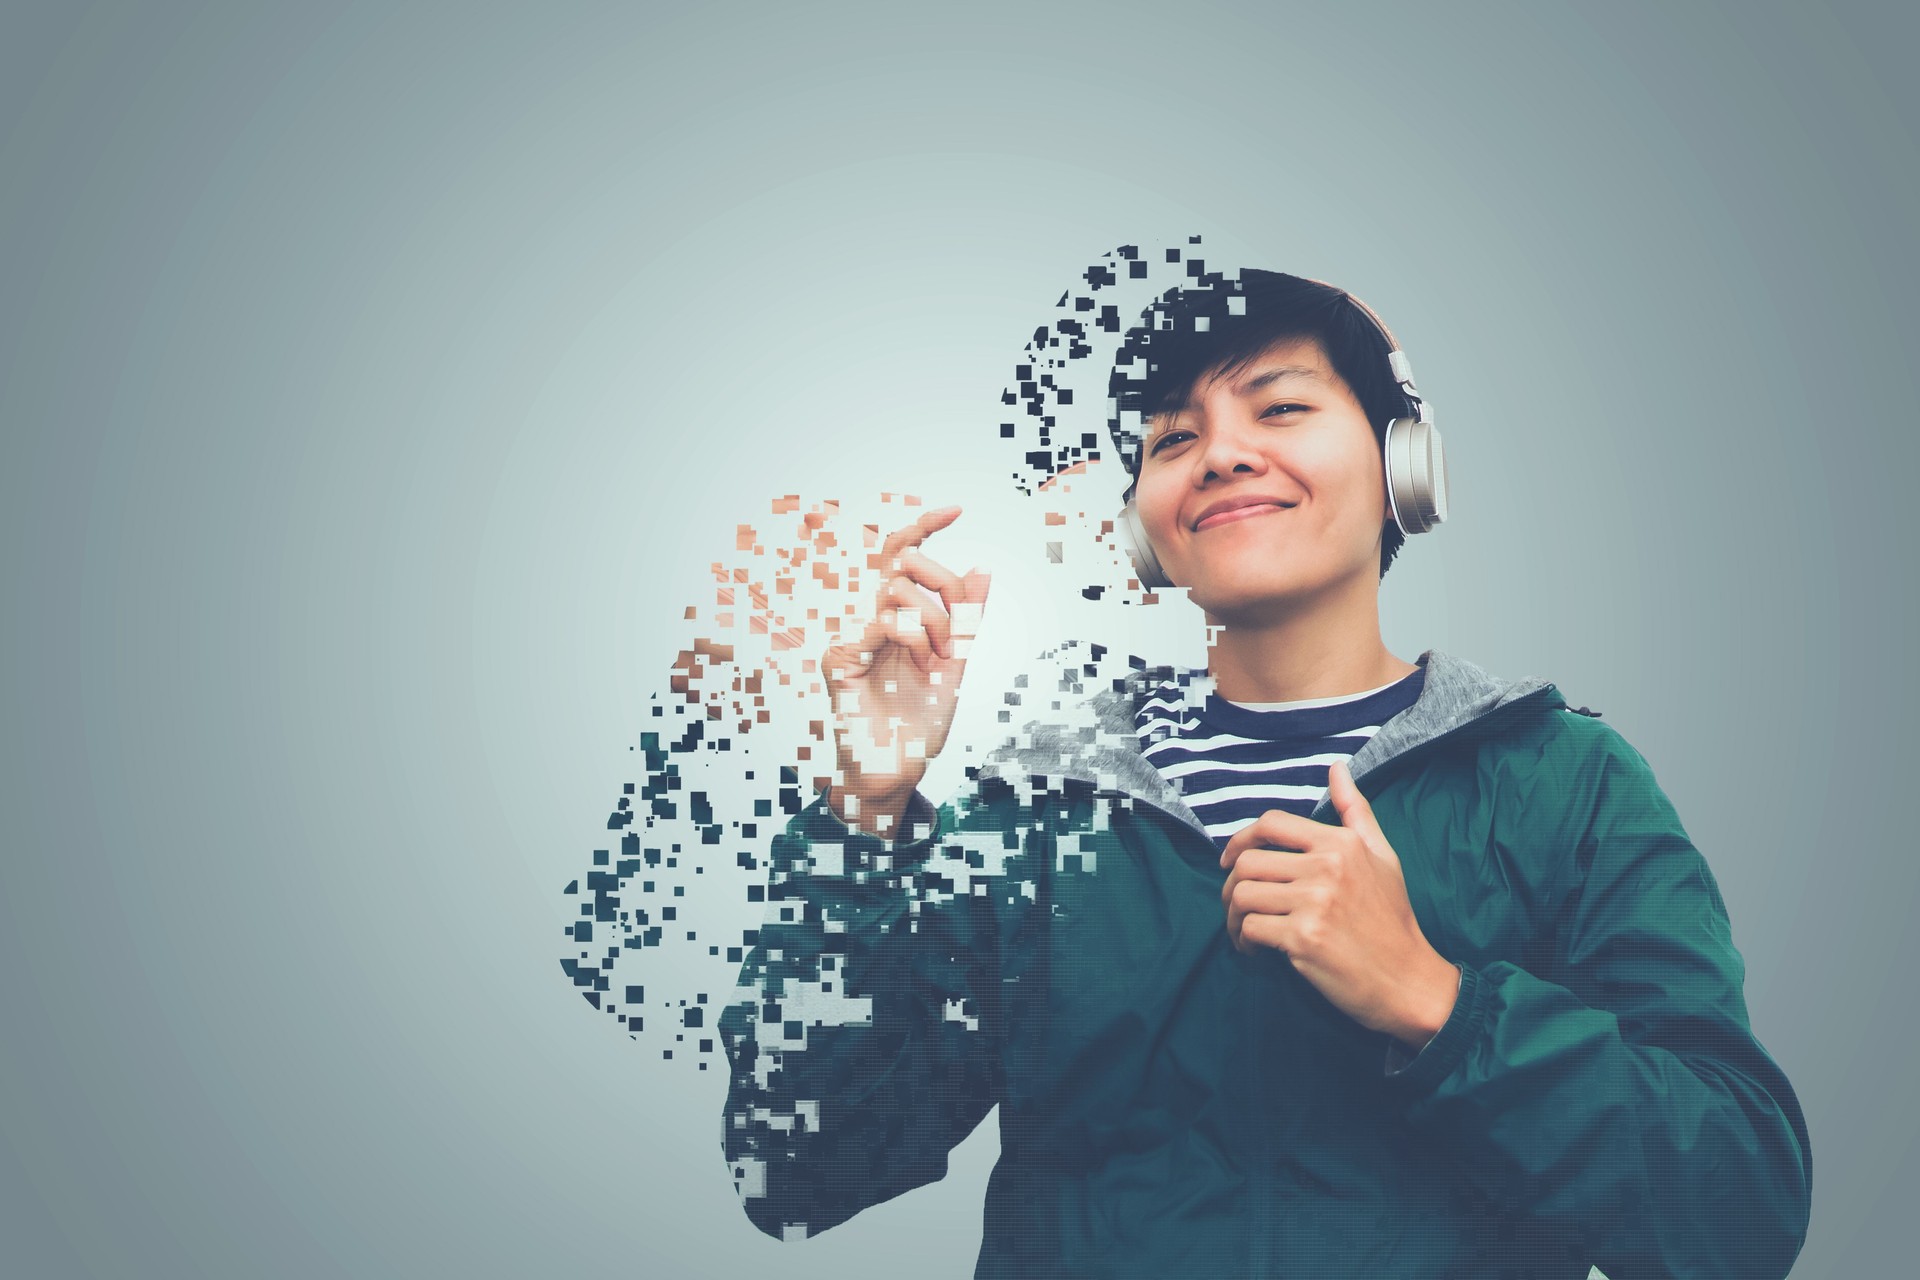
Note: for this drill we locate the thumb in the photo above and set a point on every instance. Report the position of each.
(966, 611)
(1355, 813)
(978, 582)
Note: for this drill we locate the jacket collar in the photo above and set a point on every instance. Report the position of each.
(1099, 745)
(1454, 695)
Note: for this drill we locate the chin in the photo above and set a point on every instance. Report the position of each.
(1249, 597)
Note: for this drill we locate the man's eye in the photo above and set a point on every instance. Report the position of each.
(1284, 405)
(1166, 436)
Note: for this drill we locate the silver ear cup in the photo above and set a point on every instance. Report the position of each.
(1133, 536)
(1416, 475)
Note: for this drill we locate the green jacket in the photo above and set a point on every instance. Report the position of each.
(1170, 1106)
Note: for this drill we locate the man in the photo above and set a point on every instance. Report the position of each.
(1319, 962)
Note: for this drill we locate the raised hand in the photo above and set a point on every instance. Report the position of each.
(895, 686)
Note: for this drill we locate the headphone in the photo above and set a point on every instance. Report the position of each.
(1416, 468)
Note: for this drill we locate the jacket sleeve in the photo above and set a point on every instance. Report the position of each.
(1622, 1095)
(863, 1035)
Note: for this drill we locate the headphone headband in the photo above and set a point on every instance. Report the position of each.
(1396, 358)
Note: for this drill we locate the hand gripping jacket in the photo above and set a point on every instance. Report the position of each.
(1171, 1107)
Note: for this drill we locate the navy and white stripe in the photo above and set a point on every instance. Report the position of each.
(1233, 761)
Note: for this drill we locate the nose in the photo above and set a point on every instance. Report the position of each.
(1228, 445)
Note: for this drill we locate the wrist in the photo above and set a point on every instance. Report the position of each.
(877, 813)
(879, 783)
(1433, 1003)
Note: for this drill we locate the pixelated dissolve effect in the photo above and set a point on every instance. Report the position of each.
(1051, 940)
(751, 672)
(863, 1033)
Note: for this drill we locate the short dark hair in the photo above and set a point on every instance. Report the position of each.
(1270, 306)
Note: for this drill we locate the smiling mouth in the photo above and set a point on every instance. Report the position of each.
(1242, 513)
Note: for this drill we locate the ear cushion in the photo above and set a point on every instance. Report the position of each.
(1416, 475)
(1133, 536)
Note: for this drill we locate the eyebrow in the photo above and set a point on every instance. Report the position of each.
(1266, 378)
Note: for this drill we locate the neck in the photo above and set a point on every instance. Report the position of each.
(1322, 648)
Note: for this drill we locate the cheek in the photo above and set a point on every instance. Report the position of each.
(1351, 495)
(1364, 483)
(1157, 511)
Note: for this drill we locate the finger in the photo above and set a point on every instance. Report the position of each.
(934, 576)
(912, 535)
(905, 620)
(889, 627)
(968, 610)
(1355, 813)
(1273, 932)
(916, 601)
(1253, 897)
(1273, 866)
(852, 658)
(1276, 828)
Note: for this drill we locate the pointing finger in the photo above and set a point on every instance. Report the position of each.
(912, 535)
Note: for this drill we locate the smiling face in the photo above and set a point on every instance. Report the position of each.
(1267, 491)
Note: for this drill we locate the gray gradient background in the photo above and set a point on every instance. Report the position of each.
(376, 386)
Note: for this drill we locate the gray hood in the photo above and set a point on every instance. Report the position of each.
(1096, 740)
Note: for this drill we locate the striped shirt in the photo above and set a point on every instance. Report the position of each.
(1233, 761)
